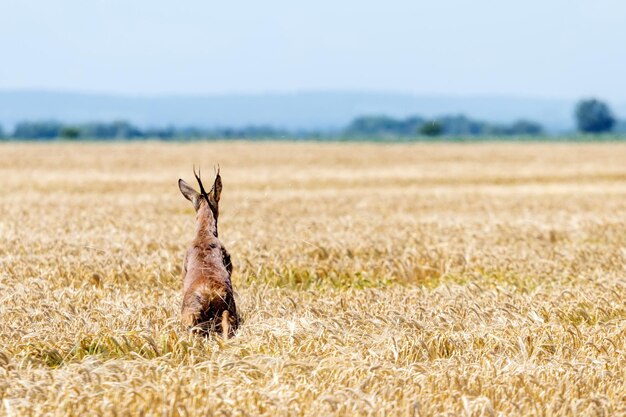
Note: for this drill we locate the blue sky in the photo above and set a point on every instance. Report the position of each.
(530, 48)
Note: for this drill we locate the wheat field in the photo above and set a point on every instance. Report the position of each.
(376, 280)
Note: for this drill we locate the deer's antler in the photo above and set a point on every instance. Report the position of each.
(202, 191)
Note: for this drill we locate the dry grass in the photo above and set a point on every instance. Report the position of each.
(373, 280)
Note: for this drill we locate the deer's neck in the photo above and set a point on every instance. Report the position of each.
(206, 226)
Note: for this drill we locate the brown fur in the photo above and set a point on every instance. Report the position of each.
(208, 301)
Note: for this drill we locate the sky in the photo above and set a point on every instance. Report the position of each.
(532, 48)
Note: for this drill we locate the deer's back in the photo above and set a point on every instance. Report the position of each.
(207, 288)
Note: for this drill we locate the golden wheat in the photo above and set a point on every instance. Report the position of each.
(382, 280)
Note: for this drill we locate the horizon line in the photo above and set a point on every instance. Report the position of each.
(257, 94)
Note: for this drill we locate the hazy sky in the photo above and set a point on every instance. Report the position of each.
(537, 48)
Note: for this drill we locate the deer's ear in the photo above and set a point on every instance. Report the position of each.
(216, 191)
(189, 193)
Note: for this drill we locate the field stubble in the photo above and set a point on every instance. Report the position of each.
(484, 279)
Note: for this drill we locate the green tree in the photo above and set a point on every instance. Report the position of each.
(594, 116)
(384, 126)
(37, 130)
(518, 128)
(432, 128)
(70, 132)
(373, 125)
(526, 127)
(462, 125)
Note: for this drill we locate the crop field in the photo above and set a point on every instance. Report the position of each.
(379, 280)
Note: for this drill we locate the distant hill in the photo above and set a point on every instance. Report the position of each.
(306, 110)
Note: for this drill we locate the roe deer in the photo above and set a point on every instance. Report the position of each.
(208, 302)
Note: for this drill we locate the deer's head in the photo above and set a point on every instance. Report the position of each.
(205, 204)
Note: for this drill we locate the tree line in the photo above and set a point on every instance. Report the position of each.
(592, 116)
(49, 130)
(446, 125)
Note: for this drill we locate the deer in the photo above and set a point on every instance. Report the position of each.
(208, 302)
